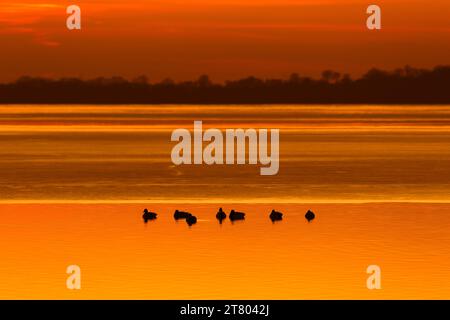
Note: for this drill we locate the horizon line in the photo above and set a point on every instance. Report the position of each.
(140, 77)
(225, 201)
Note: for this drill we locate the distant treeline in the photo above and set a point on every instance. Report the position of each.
(402, 86)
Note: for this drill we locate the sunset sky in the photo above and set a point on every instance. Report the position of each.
(226, 39)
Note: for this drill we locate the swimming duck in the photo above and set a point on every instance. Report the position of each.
(191, 220)
(235, 215)
(275, 216)
(221, 215)
(310, 215)
(148, 215)
(181, 215)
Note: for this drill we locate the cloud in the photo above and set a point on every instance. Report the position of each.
(30, 18)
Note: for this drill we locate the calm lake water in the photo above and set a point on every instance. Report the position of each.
(76, 178)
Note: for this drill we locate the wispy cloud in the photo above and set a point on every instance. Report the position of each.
(24, 8)
(30, 18)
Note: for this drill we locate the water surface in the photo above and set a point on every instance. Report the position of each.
(75, 180)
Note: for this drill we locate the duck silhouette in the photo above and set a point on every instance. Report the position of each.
(181, 215)
(235, 215)
(221, 215)
(191, 220)
(148, 215)
(275, 216)
(310, 215)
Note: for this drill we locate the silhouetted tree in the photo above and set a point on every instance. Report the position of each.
(203, 81)
(142, 80)
(405, 85)
(330, 76)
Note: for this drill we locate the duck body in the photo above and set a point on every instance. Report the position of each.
(191, 220)
(276, 216)
(310, 215)
(181, 215)
(221, 215)
(235, 215)
(149, 215)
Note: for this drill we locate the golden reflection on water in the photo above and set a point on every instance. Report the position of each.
(76, 178)
(122, 153)
(121, 257)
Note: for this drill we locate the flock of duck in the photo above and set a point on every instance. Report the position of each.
(221, 215)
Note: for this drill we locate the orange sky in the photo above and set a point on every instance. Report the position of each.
(226, 39)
